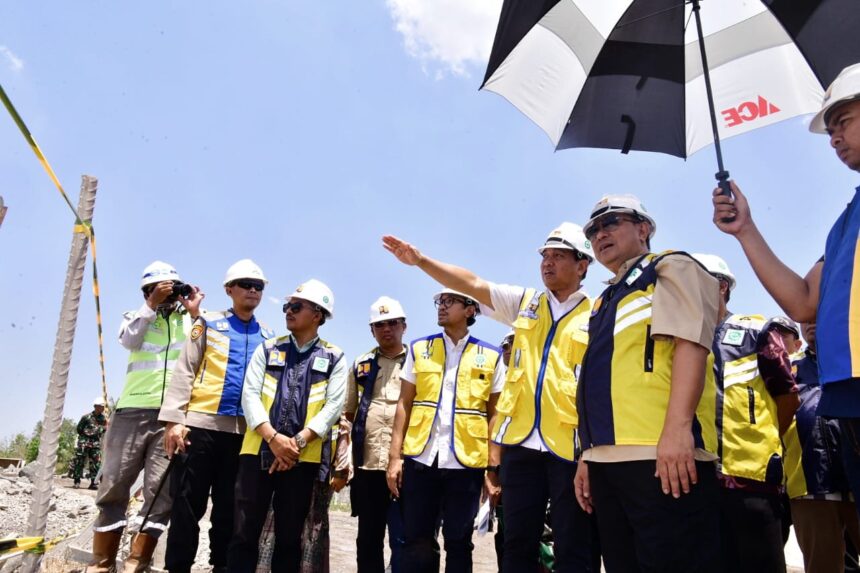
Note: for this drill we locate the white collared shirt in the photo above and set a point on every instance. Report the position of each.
(506, 306)
(442, 431)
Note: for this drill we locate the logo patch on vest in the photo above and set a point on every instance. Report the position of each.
(733, 337)
(480, 360)
(320, 364)
(277, 358)
(222, 325)
(362, 370)
(530, 311)
(197, 331)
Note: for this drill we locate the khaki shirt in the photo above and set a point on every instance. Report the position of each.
(685, 305)
(380, 414)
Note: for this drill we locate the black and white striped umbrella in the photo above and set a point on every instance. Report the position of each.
(628, 74)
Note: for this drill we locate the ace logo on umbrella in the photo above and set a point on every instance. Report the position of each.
(748, 111)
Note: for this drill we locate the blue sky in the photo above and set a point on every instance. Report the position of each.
(298, 133)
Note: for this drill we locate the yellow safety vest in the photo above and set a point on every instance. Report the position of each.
(471, 393)
(312, 387)
(747, 423)
(540, 386)
(627, 375)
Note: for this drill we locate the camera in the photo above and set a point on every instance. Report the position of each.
(182, 289)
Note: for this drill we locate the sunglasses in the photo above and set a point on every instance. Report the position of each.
(607, 223)
(297, 307)
(248, 285)
(383, 323)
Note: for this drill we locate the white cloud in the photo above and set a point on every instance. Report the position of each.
(448, 36)
(15, 63)
(275, 300)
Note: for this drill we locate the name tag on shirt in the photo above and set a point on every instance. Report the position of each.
(733, 337)
(222, 325)
(320, 364)
(634, 274)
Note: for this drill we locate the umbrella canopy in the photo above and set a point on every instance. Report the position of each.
(628, 74)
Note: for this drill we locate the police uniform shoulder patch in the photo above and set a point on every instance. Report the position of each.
(196, 331)
(277, 358)
(362, 370)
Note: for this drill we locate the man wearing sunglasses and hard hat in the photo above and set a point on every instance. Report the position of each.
(646, 400)
(537, 408)
(756, 401)
(450, 384)
(154, 336)
(828, 293)
(204, 398)
(293, 396)
(373, 389)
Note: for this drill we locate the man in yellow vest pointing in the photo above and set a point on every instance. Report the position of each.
(451, 382)
(537, 409)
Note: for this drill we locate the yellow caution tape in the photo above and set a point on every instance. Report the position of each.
(84, 227)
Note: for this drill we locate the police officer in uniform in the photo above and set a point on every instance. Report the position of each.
(204, 398)
(90, 429)
(292, 398)
(537, 410)
(451, 381)
(134, 442)
(646, 400)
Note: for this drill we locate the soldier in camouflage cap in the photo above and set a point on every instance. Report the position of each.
(90, 429)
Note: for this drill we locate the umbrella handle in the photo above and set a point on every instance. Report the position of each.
(725, 189)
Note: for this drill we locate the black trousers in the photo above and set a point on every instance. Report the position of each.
(530, 479)
(644, 530)
(289, 494)
(372, 504)
(751, 529)
(210, 463)
(428, 492)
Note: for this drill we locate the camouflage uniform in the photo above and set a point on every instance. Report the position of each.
(91, 428)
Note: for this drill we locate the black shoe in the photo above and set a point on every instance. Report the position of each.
(219, 569)
(93, 485)
(77, 484)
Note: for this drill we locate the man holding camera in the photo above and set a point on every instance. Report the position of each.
(154, 335)
(204, 398)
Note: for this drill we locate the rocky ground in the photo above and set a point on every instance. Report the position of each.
(72, 511)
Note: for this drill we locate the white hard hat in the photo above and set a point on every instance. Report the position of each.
(318, 293)
(99, 401)
(244, 269)
(569, 236)
(621, 204)
(845, 88)
(469, 300)
(385, 308)
(716, 266)
(509, 337)
(157, 272)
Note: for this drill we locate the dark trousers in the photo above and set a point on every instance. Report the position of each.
(289, 493)
(210, 462)
(850, 434)
(372, 504)
(428, 492)
(644, 530)
(530, 478)
(751, 532)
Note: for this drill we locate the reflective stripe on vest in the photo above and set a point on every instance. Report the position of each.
(312, 385)
(474, 380)
(747, 425)
(151, 366)
(540, 386)
(230, 342)
(626, 374)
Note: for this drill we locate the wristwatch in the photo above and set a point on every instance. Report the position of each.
(494, 469)
(301, 442)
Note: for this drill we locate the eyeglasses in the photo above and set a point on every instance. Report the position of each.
(607, 223)
(383, 323)
(248, 285)
(447, 302)
(297, 307)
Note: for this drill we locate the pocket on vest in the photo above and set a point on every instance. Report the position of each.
(511, 392)
(481, 382)
(566, 402)
(477, 428)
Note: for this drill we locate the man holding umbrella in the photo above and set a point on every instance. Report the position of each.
(646, 401)
(828, 293)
